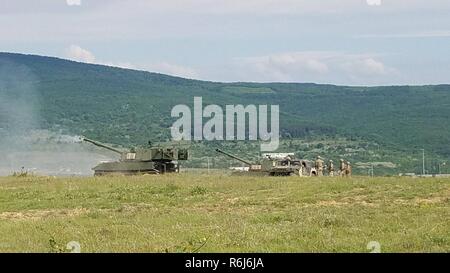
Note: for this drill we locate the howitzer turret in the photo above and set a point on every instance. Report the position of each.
(98, 144)
(252, 167)
(234, 157)
(149, 160)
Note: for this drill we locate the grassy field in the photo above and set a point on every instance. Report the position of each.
(221, 213)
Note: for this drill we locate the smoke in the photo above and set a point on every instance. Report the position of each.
(44, 152)
(44, 137)
(26, 147)
(18, 101)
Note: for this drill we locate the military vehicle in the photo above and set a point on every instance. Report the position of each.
(281, 164)
(150, 160)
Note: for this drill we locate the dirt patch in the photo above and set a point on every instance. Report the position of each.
(331, 203)
(432, 200)
(348, 201)
(442, 197)
(402, 202)
(41, 214)
(232, 201)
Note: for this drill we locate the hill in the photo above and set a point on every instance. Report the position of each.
(128, 107)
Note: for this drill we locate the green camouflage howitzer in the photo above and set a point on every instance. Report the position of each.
(276, 164)
(151, 160)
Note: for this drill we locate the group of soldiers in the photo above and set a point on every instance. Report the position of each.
(345, 168)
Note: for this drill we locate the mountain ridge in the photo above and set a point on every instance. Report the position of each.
(32, 55)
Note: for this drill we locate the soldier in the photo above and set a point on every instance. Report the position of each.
(331, 168)
(348, 169)
(319, 166)
(342, 167)
(304, 168)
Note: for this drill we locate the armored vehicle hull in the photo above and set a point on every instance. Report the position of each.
(134, 168)
(151, 160)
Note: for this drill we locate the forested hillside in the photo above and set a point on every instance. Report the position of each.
(130, 107)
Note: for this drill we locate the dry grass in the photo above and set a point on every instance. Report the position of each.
(221, 213)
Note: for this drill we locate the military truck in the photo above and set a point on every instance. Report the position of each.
(148, 160)
(280, 164)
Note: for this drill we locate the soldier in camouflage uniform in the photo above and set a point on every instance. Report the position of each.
(342, 167)
(348, 169)
(319, 166)
(330, 168)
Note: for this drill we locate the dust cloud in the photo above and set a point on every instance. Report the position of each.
(24, 146)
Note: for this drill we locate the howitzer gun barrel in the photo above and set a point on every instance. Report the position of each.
(102, 145)
(234, 157)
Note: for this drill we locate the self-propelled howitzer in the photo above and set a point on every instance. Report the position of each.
(148, 160)
(281, 164)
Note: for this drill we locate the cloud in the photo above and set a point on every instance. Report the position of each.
(73, 2)
(124, 65)
(174, 70)
(76, 53)
(374, 2)
(314, 66)
(302, 66)
(259, 7)
(417, 34)
(283, 67)
(364, 65)
(158, 67)
(246, 6)
(255, 7)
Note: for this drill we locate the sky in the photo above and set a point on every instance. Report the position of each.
(345, 42)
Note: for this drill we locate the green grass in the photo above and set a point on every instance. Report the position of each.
(221, 213)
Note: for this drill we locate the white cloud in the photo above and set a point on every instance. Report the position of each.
(374, 2)
(365, 66)
(245, 6)
(284, 66)
(174, 70)
(124, 65)
(417, 34)
(76, 53)
(303, 66)
(73, 2)
(314, 66)
(159, 67)
(255, 7)
(259, 7)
